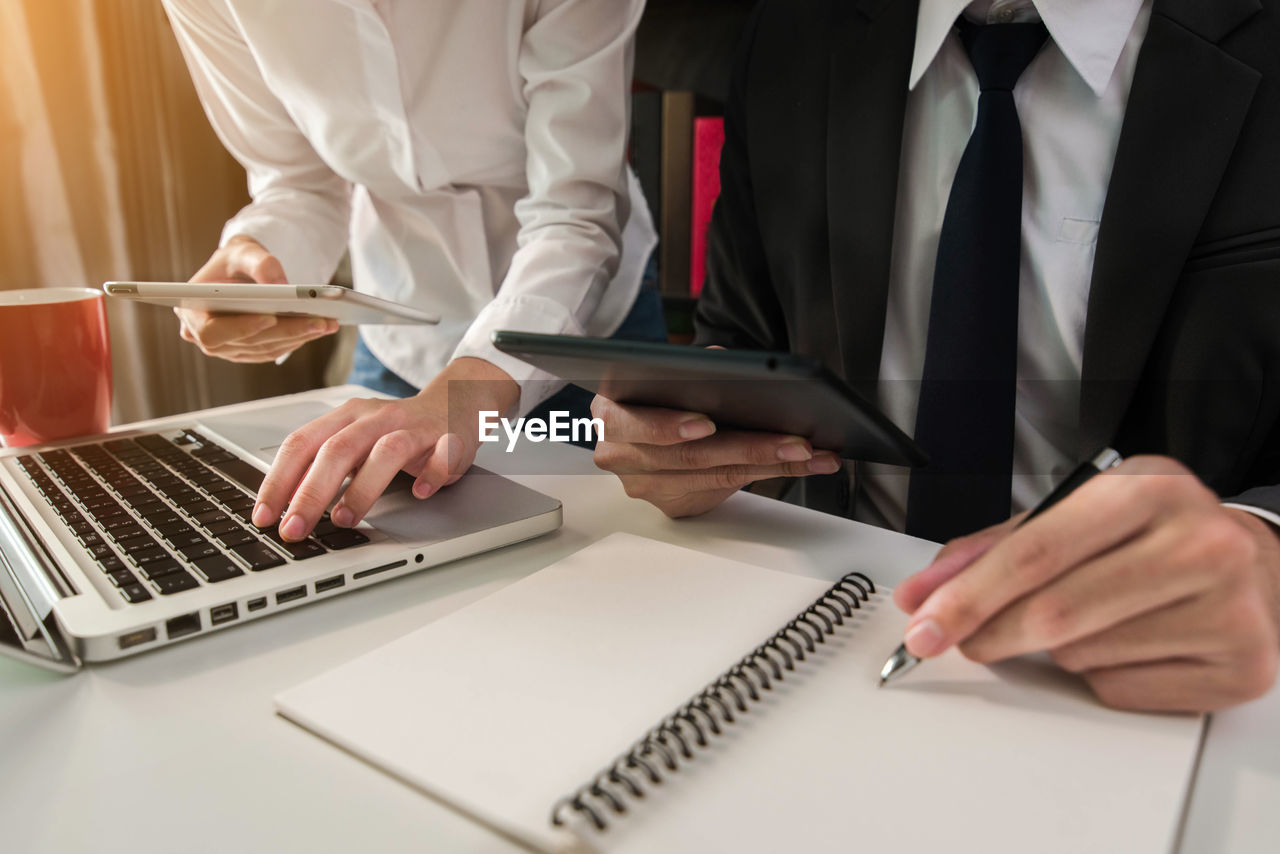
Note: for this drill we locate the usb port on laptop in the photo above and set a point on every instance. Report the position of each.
(290, 594)
(134, 638)
(220, 614)
(330, 583)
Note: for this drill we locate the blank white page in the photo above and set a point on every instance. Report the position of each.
(505, 706)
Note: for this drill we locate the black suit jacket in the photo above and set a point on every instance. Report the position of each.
(1182, 338)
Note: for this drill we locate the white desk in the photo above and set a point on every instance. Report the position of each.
(178, 750)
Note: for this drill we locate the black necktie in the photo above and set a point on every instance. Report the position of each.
(966, 408)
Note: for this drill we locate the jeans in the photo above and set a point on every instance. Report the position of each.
(645, 322)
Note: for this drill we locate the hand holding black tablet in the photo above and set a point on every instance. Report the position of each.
(743, 389)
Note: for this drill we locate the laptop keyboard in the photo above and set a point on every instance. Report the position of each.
(165, 513)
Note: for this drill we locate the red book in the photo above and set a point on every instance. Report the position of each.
(708, 139)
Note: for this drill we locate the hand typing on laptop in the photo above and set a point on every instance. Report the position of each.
(247, 337)
(372, 440)
(1141, 581)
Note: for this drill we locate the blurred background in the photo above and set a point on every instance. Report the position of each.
(109, 170)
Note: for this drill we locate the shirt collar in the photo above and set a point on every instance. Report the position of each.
(1090, 33)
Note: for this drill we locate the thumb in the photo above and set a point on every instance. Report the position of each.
(460, 455)
(449, 460)
(253, 261)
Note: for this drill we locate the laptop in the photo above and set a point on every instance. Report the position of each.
(122, 543)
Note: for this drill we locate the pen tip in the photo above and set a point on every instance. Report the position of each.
(881, 685)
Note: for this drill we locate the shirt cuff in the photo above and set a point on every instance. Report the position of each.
(525, 313)
(1265, 515)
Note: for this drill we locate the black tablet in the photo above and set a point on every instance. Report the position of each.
(742, 389)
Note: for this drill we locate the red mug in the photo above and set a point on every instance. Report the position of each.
(55, 365)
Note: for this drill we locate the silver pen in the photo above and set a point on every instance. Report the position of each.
(901, 661)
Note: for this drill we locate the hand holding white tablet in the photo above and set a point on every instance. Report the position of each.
(247, 337)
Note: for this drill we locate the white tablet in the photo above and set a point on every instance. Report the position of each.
(348, 307)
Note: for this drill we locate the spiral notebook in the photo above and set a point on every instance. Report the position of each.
(637, 696)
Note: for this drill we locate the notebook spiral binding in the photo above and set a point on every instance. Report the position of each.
(709, 710)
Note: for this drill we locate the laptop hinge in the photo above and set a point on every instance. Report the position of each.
(30, 585)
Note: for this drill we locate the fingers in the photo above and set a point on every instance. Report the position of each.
(668, 484)
(255, 263)
(677, 461)
(668, 475)
(1183, 630)
(370, 440)
(438, 465)
(1140, 581)
(649, 425)
(398, 450)
(1164, 686)
(290, 330)
(346, 451)
(449, 460)
(320, 485)
(1097, 517)
(1183, 686)
(250, 337)
(254, 357)
(733, 448)
(1145, 576)
(1199, 655)
(247, 337)
(211, 331)
(687, 493)
(242, 259)
(272, 350)
(294, 458)
(954, 557)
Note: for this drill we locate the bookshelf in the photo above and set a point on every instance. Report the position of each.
(684, 59)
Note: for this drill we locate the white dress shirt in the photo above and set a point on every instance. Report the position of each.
(1071, 101)
(471, 154)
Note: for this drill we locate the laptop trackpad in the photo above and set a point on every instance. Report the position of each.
(260, 431)
(479, 501)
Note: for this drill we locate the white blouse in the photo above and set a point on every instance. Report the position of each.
(471, 155)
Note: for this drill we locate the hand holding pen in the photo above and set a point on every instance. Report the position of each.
(1142, 581)
(903, 659)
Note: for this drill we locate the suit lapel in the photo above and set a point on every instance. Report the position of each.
(1188, 102)
(872, 42)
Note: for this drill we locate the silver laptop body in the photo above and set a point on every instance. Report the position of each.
(87, 575)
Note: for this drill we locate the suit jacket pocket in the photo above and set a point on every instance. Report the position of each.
(1243, 249)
